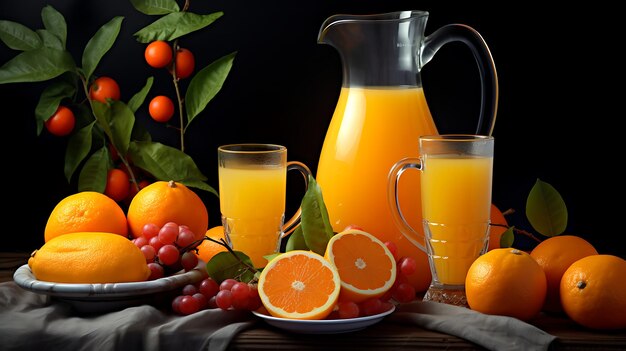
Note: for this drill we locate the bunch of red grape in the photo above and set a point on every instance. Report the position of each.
(169, 247)
(229, 295)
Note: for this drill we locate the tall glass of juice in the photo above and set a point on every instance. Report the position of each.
(252, 186)
(456, 178)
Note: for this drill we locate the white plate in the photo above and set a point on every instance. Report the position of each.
(97, 298)
(324, 326)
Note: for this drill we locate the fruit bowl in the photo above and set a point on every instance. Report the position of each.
(101, 298)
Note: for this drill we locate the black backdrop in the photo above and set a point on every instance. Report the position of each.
(556, 121)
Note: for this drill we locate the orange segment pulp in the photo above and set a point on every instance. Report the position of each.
(299, 285)
(366, 267)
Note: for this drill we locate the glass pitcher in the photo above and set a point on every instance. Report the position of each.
(380, 114)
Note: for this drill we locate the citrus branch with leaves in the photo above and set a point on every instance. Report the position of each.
(546, 211)
(106, 131)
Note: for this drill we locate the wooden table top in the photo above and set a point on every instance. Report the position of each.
(388, 335)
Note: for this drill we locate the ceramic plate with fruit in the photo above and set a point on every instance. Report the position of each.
(324, 326)
(96, 298)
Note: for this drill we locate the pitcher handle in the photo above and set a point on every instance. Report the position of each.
(484, 60)
(394, 203)
(294, 221)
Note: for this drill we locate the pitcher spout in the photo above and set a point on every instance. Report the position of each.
(377, 50)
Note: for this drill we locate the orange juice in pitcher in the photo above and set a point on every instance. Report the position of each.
(380, 115)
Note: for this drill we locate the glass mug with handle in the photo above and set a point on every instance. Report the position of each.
(456, 179)
(252, 187)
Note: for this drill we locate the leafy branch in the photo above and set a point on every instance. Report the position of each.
(546, 211)
(107, 134)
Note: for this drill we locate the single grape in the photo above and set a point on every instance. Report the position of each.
(150, 230)
(254, 300)
(140, 241)
(241, 295)
(189, 260)
(404, 293)
(185, 238)
(224, 299)
(348, 309)
(407, 265)
(156, 271)
(189, 290)
(212, 303)
(209, 287)
(176, 303)
(188, 305)
(203, 301)
(148, 252)
(155, 242)
(168, 255)
(393, 248)
(227, 284)
(168, 234)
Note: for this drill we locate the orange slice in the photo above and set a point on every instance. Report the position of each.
(366, 267)
(299, 285)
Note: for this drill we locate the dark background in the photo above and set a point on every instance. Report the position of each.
(556, 121)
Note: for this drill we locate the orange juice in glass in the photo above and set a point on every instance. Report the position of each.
(252, 185)
(456, 178)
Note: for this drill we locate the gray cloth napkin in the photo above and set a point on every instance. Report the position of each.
(491, 332)
(29, 322)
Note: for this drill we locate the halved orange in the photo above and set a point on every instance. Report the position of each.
(299, 285)
(366, 267)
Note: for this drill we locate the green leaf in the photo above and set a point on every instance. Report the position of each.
(54, 22)
(78, 148)
(120, 119)
(155, 7)
(316, 227)
(93, 176)
(50, 99)
(296, 240)
(18, 37)
(36, 65)
(206, 84)
(50, 40)
(140, 96)
(546, 210)
(99, 44)
(225, 265)
(174, 25)
(271, 256)
(167, 163)
(507, 238)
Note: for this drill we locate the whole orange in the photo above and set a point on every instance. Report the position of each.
(87, 211)
(207, 249)
(117, 185)
(555, 255)
(158, 54)
(104, 88)
(62, 122)
(593, 292)
(496, 228)
(185, 63)
(162, 202)
(161, 108)
(506, 282)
